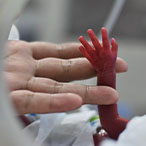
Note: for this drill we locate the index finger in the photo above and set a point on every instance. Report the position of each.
(94, 39)
(105, 38)
(64, 51)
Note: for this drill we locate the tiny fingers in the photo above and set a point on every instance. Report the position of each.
(84, 52)
(105, 38)
(85, 44)
(94, 39)
(114, 46)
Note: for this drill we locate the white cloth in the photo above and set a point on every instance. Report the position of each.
(66, 129)
(134, 134)
(75, 130)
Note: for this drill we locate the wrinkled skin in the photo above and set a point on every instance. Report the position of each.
(103, 58)
(38, 76)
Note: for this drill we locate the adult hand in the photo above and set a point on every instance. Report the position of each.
(38, 76)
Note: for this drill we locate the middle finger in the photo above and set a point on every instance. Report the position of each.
(64, 70)
(70, 69)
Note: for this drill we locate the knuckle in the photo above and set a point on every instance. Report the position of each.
(50, 103)
(60, 49)
(23, 101)
(86, 93)
(30, 82)
(36, 66)
(27, 104)
(66, 66)
(57, 87)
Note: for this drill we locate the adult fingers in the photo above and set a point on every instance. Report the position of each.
(89, 94)
(65, 51)
(121, 65)
(71, 69)
(64, 70)
(30, 102)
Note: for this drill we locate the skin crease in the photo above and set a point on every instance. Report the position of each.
(38, 76)
(103, 58)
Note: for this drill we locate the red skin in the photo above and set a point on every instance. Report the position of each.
(103, 58)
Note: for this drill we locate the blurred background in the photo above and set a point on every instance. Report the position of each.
(66, 20)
